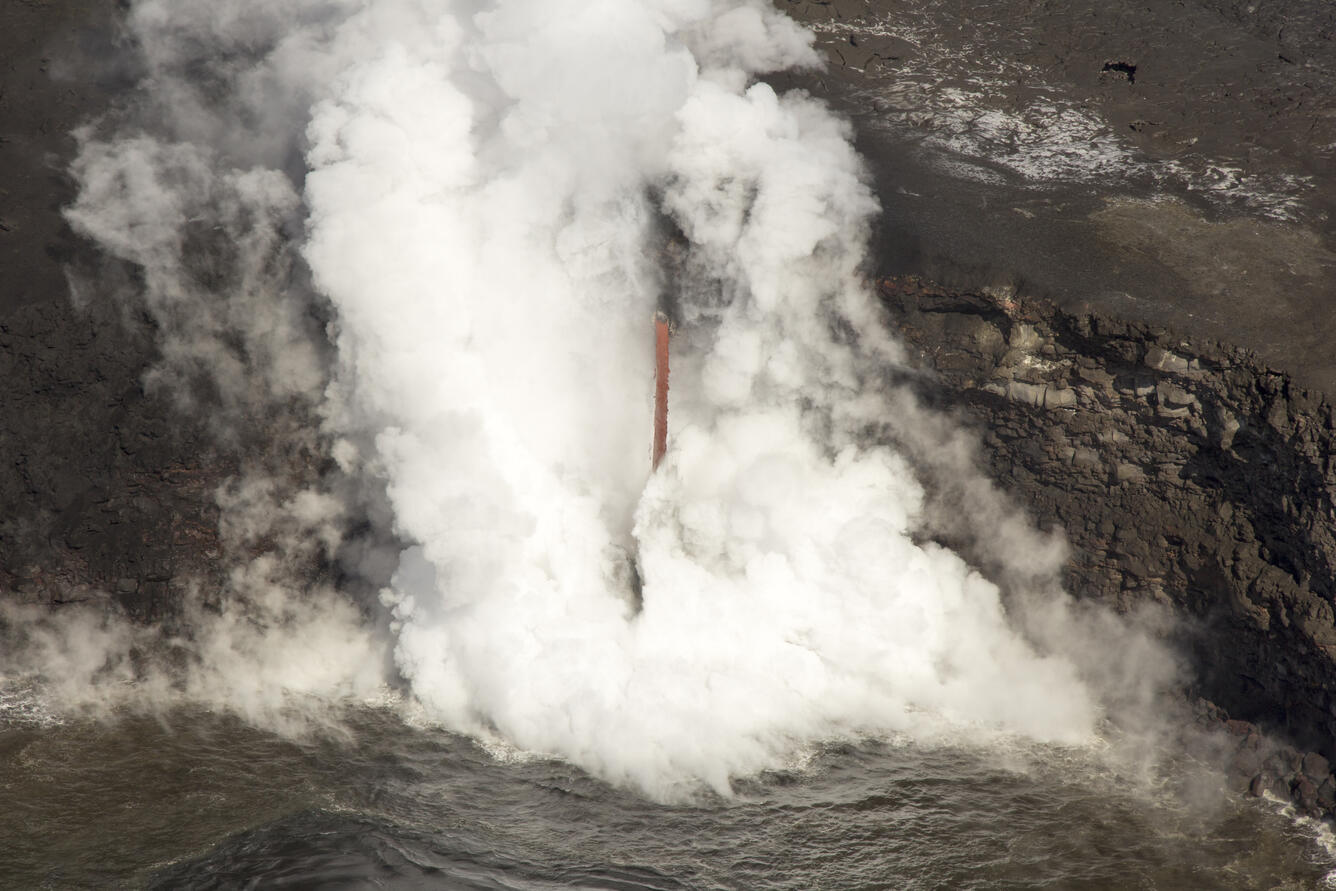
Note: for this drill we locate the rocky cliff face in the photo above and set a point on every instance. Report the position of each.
(1160, 174)
(106, 493)
(1183, 473)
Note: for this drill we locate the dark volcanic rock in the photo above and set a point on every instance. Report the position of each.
(1143, 169)
(106, 492)
(1011, 144)
(121, 437)
(1182, 472)
(1109, 192)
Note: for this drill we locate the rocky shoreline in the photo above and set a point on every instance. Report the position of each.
(1187, 474)
(1184, 472)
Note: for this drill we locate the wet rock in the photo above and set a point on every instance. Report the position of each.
(1315, 767)
(1248, 761)
(1287, 767)
(1304, 794)
(1267, 783)
(1326, 796)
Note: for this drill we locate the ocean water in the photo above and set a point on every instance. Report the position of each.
(194, 799)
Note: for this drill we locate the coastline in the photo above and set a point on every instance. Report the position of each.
(113, 495)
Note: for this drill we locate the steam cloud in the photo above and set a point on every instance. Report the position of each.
(494, 198)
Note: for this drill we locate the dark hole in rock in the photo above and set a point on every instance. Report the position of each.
(1120, 69)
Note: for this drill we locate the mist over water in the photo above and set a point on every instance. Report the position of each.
(491, 200)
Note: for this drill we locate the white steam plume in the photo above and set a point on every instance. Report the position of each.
(498, 195)
(481, 216)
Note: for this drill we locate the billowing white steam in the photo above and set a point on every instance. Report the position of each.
(491, 193)
(492, 256)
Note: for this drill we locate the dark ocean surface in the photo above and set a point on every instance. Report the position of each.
(199, 800)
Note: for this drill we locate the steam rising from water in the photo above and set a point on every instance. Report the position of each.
(494, 198)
